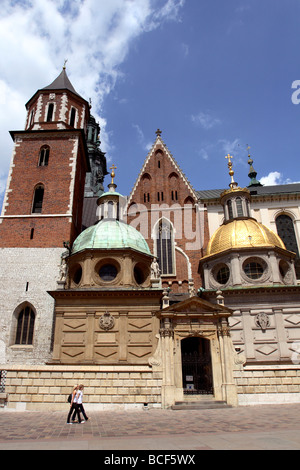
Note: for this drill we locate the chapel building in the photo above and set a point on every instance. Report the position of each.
(166, 297)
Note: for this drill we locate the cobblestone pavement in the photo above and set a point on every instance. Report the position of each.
(255, 427)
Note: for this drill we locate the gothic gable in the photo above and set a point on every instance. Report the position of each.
(161, 180)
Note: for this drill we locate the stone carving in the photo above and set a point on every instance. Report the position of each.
(262, 320)
(106, 321)
(63, 271)
(156, 359)
(155, 270)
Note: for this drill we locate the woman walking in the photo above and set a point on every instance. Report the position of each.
(79, 397)
(74, 406)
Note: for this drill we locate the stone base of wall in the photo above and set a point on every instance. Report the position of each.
(261, 384)
(46, 388)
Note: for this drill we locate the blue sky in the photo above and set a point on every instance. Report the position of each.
(213, 75)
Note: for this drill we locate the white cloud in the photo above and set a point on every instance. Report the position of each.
(274, 178)
(205, 120)
(233, 147)
(36, 36)
(185, 48)
(204, 154)
(141, 138)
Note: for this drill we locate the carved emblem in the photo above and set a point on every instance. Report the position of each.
(106, 321)
(262, 320)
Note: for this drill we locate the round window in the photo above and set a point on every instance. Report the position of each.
(108, 272)
(222, 275)
(253, 270)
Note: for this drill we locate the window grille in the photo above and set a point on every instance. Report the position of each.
(25, 326)
(165, 248)
(286, 231)
(239, 207)
(3, 374)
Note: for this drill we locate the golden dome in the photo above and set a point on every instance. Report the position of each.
(242, 233)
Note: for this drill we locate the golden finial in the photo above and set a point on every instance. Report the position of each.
(248, 148)
(113, 168)
(231, 172)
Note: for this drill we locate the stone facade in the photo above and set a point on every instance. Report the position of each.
(104, 327)
(106, 387)
(273, 384)
(25, 277)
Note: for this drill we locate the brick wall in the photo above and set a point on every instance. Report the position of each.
(63, 180)
(162, 190)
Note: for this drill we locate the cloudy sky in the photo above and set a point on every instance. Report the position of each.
(213, 75)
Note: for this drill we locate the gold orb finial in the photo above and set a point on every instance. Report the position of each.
(233, 184)
(113, 168)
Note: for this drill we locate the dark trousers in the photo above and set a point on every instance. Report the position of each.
(75, 410)
(80, 409)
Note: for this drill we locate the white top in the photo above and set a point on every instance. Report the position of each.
(78, 397)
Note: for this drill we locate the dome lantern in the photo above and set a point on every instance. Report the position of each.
(236, 200)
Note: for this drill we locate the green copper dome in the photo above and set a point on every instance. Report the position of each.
(110, 234)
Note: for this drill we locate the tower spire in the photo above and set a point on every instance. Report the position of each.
(252, 173)
(232, 184)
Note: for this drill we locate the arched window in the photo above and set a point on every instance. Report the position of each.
(44, 155)
(230, 212)
(239, 207)
(25, 326)
(164, 247)
(38, 199)
(50, 112)
(72, 117)
(110, 210)
(146, 177)
(286, 231)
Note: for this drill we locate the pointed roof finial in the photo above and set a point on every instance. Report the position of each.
(65, 64)
(158, 132)
(232, 184)
(252, 173)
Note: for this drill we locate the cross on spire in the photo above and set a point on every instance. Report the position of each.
(231, 172)
(113, 168)
(158, 132)
(229, 157)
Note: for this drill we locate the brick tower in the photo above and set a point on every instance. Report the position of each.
(42, 209)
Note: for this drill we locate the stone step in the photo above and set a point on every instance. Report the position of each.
(203, 404)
